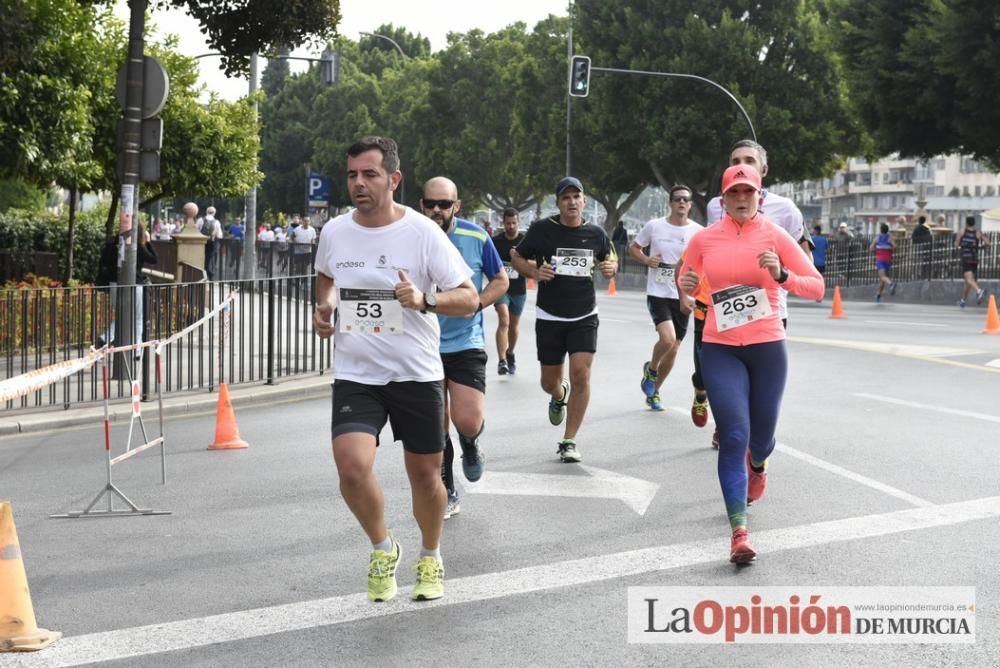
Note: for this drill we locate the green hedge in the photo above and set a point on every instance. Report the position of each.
(24, 232)
(16, 194)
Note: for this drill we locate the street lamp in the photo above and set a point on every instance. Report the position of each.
(388, 39)
(685, 76)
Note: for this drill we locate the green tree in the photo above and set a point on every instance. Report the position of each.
(239, 28)
(477, 115)
(275, 73)
(56, 68)
(922, 73)
(776, 57)
(287, 135)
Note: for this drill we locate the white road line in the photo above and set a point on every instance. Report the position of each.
(906, 322)
(246, 624)
(928, 407)
(855, 477)
(841, 471)
(603, 319)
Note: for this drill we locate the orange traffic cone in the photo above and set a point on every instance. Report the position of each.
(227, 434)
(992, 319)
(18, 630)
(612, 290)
(838, 307)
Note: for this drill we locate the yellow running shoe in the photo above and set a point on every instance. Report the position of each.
(382, 572)
(430, 579)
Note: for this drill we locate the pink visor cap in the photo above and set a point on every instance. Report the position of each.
(740, 175)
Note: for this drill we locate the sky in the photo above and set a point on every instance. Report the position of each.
(433, 19)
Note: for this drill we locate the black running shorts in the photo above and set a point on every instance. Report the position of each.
(557, 338)
(415, 411)
(466, 367)
(662, 309)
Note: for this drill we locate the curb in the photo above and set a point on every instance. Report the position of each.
(188, 404)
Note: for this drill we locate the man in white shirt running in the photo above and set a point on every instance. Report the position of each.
(381, 266)
(667, 238)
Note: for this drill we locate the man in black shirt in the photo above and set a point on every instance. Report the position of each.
(922, 239)
(511, 305)
(561, 252)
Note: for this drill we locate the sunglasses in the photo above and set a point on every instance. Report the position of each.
(439, 203)
(680, 199)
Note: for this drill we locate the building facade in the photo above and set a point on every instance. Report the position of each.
(866, 194)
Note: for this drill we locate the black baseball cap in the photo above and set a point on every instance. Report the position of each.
(568, 182)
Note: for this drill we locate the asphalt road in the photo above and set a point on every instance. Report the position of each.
(886, 476)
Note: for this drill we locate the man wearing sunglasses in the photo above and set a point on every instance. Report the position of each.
(670, 310)
(463, 342)
(379, 265)
(562, 252)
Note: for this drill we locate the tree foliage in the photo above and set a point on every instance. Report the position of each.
(923, 73)
(775, 57)
(57, 67)
(239, 28)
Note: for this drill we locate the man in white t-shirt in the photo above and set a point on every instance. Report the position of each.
(301, 239)
(666, 238)
(778, 209)
(379, 266)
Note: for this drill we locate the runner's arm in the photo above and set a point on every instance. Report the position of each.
(326, 302)
(803, 279)
(459, 301)
(530, 268)
(635, 251)
(495, 289)
(499, 281)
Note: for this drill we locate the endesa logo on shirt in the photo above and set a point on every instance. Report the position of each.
(802, 615)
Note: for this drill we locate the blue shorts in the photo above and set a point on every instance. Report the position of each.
(514, 302)
(882, 264)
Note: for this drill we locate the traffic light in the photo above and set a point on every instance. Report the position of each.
(329, 68)
(579, 76)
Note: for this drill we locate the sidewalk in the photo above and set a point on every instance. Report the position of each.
(186, 404)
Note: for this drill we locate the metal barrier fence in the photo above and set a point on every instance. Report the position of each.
(270, 336)
(849, 262)
(274, 258)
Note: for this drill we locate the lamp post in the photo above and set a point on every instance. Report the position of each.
(388, 39)
(732, 97)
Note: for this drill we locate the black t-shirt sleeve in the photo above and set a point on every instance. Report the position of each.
(530, 245)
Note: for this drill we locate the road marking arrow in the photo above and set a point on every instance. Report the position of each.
(636, 493)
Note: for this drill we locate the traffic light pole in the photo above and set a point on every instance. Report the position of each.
(569, 98)
(732, 97)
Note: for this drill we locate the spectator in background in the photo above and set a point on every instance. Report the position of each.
(302, 239)
(844, 232)
(820, 244)
(211, 228)
(111, 261)
(922, 239)
(238, 232)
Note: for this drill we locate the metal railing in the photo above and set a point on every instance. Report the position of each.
(269, 336)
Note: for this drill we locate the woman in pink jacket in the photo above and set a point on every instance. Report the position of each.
(745, 259)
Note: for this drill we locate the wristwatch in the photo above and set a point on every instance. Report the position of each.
(783, 276)
(430, 303)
